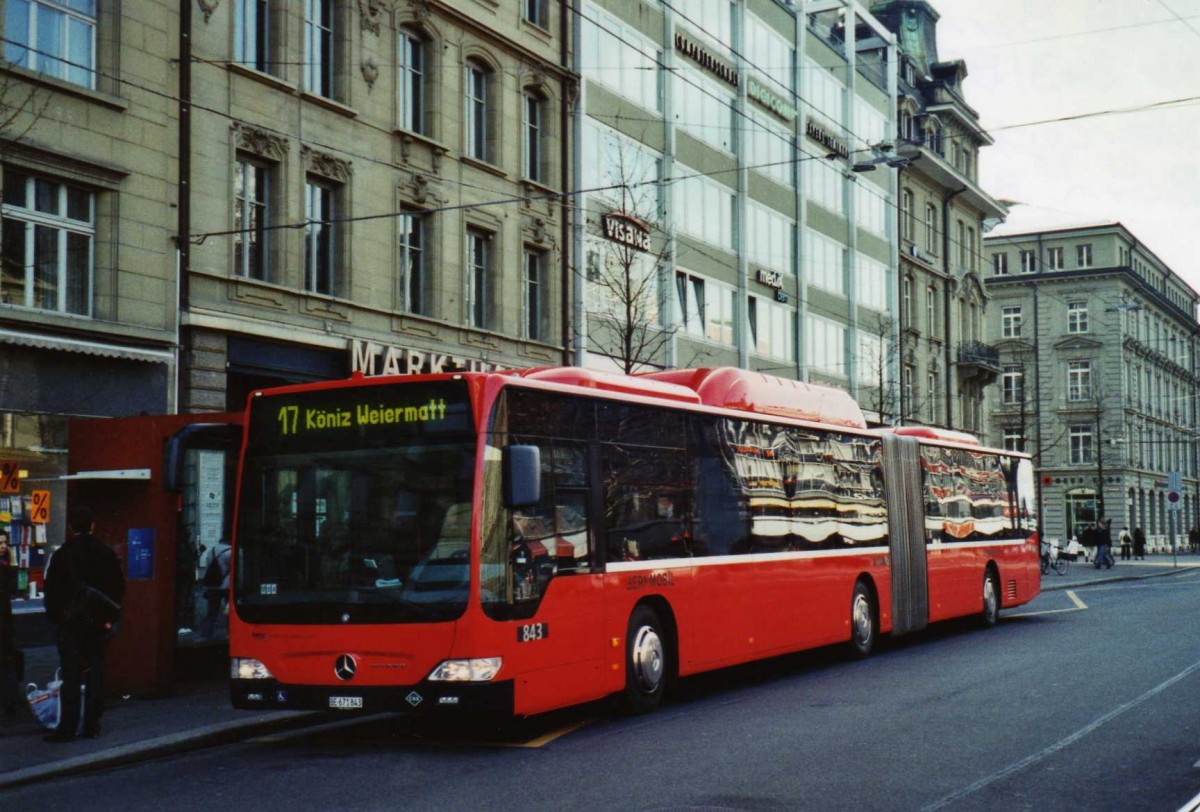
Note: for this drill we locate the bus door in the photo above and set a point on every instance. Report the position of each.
(542, 580)
(906, 528)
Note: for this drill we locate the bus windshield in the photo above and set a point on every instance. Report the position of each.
(355, 505)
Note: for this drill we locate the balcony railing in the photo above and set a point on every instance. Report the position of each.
(978, 354)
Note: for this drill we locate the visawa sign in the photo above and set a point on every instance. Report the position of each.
(626, 230)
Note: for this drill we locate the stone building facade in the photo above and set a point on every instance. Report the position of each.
(375, 187)
(88, 156)
(945, 363)
(1098, 341)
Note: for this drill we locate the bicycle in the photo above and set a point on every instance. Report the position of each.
(1052, 560)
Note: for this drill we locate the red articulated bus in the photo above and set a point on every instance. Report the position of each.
(522, 541)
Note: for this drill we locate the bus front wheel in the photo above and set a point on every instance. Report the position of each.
(646, 664)
(862, 621)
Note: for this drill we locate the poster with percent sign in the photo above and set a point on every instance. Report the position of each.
(10, 477)
(39, 507)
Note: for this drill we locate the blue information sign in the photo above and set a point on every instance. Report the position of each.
(140, 553)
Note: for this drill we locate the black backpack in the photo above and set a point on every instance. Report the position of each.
(213, 576)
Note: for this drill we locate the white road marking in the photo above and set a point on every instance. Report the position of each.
(1061, 744)
(1079, 607)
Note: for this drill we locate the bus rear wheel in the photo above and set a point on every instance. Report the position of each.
(991, 599)
(862, 621)
(646, 666)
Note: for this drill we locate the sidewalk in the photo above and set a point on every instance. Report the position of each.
(1082, 573)
(195, 715)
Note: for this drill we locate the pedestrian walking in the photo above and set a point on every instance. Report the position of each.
(216, 585)
(1139, 543)
(83, 592)
(1103, 536)
(1087, 538)
(185, 585)
(1126, 543)
(12, 660)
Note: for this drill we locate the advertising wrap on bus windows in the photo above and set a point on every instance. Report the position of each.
(356, 505)
(674, 485)
(973, 496)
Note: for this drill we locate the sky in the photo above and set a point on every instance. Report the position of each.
(1035, 60)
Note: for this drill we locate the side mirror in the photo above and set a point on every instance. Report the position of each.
(522, 474)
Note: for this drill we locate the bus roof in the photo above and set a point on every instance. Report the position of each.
(748, 391)
(933, 433)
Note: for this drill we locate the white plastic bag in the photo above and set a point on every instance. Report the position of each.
(46, 703)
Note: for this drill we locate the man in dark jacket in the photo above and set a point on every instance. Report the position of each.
(79, 570)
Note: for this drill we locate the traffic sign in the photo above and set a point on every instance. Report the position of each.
(1174, 486)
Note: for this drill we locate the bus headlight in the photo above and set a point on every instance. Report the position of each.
(482, 669)
(248, 668)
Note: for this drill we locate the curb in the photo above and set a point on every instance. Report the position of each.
(1055, 585)
(201, 737)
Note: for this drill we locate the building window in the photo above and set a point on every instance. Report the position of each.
(410, 81)
(1079, 380)
(477, 112)
(1000, 264)
(931, 399)
(251, 27)
(963, 248)
(690, 290)
(1012, 385)
(318, 47)
(931, 228)
(972, 254)
(251, 210)
(532, 136)
(413, 273)
(1077, 317)
(479, 268)
(906, 388)
(1081, 444)
(1010, 321)
(1028, 262)
(320, 238)
(1014, 439)
(536, 12)
(931, 319)
(1083, 255)
(534, 287)
(1054, 259)
(907, 215)
(54, 37)
(48, 243)
(906, 314)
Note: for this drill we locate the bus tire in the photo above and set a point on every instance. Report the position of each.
(863, 629)
(646, 666)
(991, 599)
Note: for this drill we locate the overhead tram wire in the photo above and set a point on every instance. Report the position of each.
(565, 194)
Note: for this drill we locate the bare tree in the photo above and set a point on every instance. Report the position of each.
(625, 298)
(21, 107)
(879, 362)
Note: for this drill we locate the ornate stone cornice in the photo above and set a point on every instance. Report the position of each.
(260, 142)
(326, 165)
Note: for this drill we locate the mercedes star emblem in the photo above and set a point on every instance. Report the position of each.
(345, 667)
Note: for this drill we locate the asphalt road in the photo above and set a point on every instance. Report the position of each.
(1080, 701)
